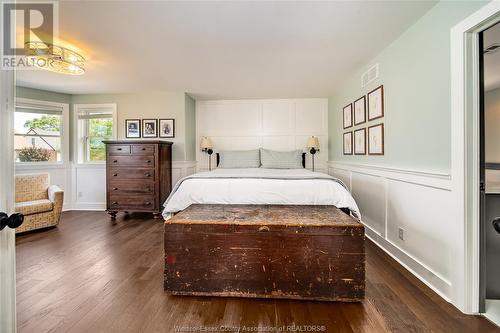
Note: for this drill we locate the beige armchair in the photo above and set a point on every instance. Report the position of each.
(40, 203)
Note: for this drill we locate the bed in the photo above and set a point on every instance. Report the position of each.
(257, 186)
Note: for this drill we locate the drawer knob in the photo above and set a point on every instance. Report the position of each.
(118, 149)
(143, 148)
(115, 188)
(148, 175)
(115, 174)
(264, 228)
(115, 161)
(115, 203)
(147, 203)
(148, 161)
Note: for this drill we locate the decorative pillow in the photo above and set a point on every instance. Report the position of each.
(236, 159)
(272, 159)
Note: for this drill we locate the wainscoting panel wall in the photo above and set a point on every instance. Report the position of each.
(405, 213)
(59, 174)
(369, 192)
(281, 124)
(84, 185)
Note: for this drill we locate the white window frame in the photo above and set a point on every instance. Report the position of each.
(65, 132)
(77, 109)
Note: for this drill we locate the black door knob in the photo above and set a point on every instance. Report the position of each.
(496, 224)
(13, 221)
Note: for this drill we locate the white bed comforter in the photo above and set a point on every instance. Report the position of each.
(259, 186)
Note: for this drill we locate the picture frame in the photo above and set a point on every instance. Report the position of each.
(347, 143)
(149, 128)
(132, 128)
(347, 116)
(167, 128)
(376, 139)
(360, 141)
(376, 103)
(360, 110)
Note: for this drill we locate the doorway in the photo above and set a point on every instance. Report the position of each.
(489, 46)
(490, 171)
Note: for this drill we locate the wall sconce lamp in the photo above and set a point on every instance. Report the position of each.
(313, 146)
(206, 146)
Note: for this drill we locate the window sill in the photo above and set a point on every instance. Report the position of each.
(40, 166)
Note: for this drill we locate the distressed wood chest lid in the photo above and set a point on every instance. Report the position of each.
(282, 215)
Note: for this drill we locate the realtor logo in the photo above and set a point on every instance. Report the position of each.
(24, 22)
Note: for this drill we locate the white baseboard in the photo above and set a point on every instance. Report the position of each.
(418, 202)
(89, 206)
(179, 169)
(421, 271)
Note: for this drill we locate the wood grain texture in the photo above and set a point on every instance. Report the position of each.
(132, 165)
(91, 275)
(280, 251)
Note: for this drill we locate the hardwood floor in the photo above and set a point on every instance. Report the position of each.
(89, 275)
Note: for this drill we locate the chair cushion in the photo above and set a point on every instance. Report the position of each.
(34, 207)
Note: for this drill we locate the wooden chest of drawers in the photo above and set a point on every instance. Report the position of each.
(138, 176)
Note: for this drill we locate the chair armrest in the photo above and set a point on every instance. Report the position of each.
(55, 193)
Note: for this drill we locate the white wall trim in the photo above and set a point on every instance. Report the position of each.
(41, 165)
(465, 152)
(183, 164)
(418, 269)
(441, 180)
(367, 182)
(88, 206)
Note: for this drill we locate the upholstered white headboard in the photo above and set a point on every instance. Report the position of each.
(279, 124)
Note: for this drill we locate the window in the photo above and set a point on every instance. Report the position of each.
(38, 131)
(96, 123)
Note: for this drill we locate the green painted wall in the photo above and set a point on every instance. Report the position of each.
(190, 107)
(157, 105)
(43, 95)
(415, 72)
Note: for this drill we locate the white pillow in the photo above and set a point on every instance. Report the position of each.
(272, 159)
(237, 159)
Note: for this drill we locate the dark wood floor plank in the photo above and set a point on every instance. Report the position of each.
(90, 275)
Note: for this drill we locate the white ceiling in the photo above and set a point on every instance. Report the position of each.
(224, 49)
(492, 61)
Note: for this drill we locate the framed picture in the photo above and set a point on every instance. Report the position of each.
(360, 111)
(376, 103)
(150, 128)
(348, 143)
(360, 142)
(167, 128)
(376, 139)
(347, 116)
(132, 128)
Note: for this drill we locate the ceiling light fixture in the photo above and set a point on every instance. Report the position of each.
(55, 58)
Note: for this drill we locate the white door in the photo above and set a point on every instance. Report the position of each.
(7, 235)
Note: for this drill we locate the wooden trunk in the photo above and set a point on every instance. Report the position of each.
(297, 252)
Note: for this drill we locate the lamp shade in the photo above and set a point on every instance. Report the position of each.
(205, 143)
(313, 142)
